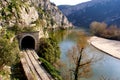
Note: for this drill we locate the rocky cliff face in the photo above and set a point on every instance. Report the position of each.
(35, 14)
(56, 15)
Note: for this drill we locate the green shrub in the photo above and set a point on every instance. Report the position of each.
(49, 50)
(8, 51)
(53, 72)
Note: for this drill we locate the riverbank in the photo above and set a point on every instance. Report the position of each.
(111, 47)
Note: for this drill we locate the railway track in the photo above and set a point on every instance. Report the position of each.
(32, 66)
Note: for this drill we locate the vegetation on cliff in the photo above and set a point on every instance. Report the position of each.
(9, 53)
(49, 50)
(8, 49)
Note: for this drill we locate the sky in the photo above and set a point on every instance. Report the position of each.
(68, 2)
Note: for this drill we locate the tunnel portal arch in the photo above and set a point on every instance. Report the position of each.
(29, 40)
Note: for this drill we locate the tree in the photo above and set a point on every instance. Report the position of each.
(81, 63)
(112, 32)
(102, 30)
(8, 51)
(98, 28)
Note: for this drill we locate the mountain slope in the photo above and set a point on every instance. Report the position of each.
(31, 14)
(82, 15)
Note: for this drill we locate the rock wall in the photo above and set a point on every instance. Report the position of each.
(35, 14)
(30, 16)
(54, 12)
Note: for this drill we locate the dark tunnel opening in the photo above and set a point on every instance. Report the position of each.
(28, 42)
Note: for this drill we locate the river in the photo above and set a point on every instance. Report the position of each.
(104, 67)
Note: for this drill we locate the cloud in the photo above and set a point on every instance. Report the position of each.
(68, 2)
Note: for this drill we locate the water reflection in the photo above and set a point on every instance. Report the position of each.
(104, 65)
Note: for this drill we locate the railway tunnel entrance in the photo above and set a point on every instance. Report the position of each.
(28, 42)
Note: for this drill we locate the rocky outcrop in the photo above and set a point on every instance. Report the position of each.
(17, 12)
(58, 19)
(32, 13)
(29, 16)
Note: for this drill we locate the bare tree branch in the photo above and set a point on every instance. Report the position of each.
(88, 62)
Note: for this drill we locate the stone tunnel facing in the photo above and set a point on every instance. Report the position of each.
(28, 42)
